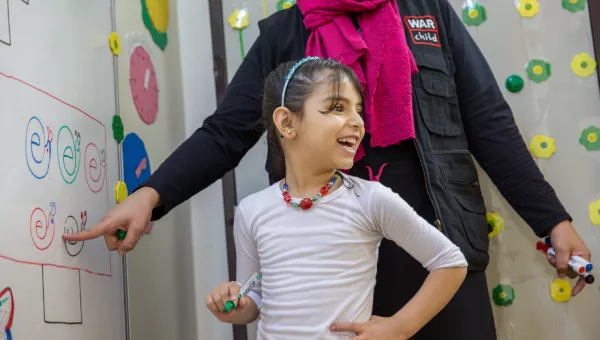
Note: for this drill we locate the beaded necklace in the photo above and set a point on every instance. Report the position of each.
(307, 203)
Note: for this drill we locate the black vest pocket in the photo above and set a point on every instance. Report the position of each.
(436, 96)
(471, 211)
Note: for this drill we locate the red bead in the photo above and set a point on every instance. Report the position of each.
(306, 203)
(323, 191)
(287, 198)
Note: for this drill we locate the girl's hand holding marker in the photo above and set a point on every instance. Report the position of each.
(229, 301)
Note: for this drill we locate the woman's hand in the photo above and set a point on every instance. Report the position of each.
(377, 328)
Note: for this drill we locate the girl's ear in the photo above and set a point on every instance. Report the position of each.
(284, 122)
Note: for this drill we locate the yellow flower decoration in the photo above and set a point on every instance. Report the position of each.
(121, 192)
(115, 43)
(239, 19)
(528, 8)
(560, 290)
(583, 65)
(542, 146)
(595, 212)
(496, 222)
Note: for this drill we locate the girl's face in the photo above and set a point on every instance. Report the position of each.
(327, 137)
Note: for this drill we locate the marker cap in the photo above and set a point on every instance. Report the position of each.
(121, 234)
(229, 305)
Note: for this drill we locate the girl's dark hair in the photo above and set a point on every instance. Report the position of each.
(305, 79)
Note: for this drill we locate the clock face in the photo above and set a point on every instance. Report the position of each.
(144, 85)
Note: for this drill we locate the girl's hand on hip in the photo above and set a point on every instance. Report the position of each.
(377, 328)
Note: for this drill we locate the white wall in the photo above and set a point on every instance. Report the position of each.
(173, 268)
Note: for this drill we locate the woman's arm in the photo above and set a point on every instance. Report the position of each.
(220, 144)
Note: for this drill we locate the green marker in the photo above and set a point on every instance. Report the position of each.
(121, 234)
(244, 290)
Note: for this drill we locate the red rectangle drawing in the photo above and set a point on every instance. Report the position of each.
(53, 177)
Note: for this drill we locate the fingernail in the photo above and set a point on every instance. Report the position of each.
(120, 253)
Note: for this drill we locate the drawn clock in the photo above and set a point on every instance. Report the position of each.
(144, 85)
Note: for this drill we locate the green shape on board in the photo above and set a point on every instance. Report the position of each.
(503, 295)
(514, 83)
(118, 129)
(590, 138)
(159, 38)
(574, 6)
(474, 15)
(538, 70)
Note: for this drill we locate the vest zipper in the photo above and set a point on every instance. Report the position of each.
(438, 222)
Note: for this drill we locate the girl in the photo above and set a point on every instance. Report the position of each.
(314, 235)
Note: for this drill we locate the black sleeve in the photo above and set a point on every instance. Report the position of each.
(220, 144)
(493, 136)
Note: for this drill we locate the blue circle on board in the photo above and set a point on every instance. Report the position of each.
(136, 163)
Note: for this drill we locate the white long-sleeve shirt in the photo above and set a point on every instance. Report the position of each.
(318, 266)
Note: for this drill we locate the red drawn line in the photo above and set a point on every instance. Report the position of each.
(52, 96)
(55, 265)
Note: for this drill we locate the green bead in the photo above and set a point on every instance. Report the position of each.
(514, 83)
(295, 204)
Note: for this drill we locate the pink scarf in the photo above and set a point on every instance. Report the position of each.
(389, 64)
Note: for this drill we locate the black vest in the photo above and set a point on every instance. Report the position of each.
(450, 173)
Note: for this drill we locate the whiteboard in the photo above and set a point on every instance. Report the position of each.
(58, 171)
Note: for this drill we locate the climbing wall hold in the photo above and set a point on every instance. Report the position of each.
(528, 8)
(474, 15)
(496, 223)
(115, 43)
(542, 146)
(590, 138)
(285, 4)
(574, 6)
(560, 290)
(583, 65)
(594, 210)
(538, 70)
(503, 295)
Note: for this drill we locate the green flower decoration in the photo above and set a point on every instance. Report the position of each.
(503, 295)
(590, 138)
(159, 34)
(574, 6)
(285, 4)
(474, 15)
(118, 130)
(514, 83)
(538, 70)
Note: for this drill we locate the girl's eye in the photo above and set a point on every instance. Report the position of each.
(339, 108)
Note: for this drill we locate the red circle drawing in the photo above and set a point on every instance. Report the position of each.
(95, 167)
(144, 85)
(41, 228)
